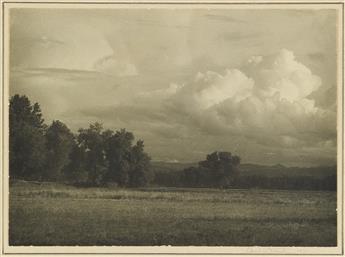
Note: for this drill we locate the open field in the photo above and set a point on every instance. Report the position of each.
(54, 214)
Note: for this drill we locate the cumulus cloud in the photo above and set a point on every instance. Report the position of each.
(267, 100)
(282, 75)
(211, 88)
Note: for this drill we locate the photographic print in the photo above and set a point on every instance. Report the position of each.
(173, 124)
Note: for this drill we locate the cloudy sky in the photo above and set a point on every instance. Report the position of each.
(260, 83)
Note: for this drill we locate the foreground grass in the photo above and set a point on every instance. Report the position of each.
(51, 214)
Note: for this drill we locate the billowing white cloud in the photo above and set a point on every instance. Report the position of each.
(283, 76)
(268, 98)
(212, 88)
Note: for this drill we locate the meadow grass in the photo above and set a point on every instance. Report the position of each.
(55, 214)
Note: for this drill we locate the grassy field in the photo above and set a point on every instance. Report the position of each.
(53, 214)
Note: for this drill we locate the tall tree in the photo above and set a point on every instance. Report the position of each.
(27, 140)
(92, 142)
(118, 149)
(220, 169)
(76, 171)
(139, 174)
(59, 143)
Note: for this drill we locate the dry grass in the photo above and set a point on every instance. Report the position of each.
(52, 214)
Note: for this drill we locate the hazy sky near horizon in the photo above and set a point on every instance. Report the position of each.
(258, 83)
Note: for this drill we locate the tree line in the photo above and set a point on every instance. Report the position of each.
(93, 156)
(96, 156)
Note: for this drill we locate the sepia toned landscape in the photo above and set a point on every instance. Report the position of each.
(158, 126)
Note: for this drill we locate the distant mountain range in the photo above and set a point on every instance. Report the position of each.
(249, 169)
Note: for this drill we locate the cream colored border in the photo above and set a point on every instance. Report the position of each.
(165, 250)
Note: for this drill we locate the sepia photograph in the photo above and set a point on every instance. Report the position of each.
(172, 125)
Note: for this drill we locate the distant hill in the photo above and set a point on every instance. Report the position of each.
(249, 169)
(160, 166)
(282, 171)
(257, 176)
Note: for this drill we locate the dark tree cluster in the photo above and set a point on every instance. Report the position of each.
(220, 169)
(93, 156)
